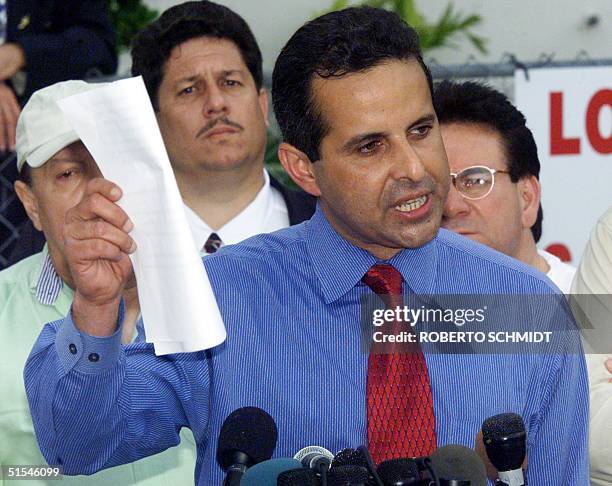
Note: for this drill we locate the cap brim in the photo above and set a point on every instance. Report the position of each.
(44, 152)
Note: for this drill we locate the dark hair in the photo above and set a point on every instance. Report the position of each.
(152, 46)
(471, 102)
(338, 43)
(25, 174)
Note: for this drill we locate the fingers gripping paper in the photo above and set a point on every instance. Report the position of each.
(117, 124)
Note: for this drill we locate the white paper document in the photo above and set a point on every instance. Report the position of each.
(117, 124)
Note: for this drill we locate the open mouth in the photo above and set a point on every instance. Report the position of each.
(412, 204)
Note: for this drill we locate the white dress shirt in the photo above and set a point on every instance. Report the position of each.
(266, 213)
(560, 273)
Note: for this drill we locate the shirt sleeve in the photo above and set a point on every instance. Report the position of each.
(558, 440)
(96, 404)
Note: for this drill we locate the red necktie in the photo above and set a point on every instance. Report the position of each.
(401, 421)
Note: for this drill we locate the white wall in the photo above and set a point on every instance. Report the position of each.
(526, 28)
(272, 21)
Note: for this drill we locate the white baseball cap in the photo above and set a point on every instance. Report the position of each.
(42, 128)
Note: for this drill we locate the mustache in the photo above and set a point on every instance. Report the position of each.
(213, 123)
(403, 187)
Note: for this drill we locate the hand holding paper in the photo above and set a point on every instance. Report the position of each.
(118, 126)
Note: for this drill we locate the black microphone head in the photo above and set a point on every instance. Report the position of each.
(505, 440)
(348, 475)
(456, 462)
(248, 430)
(398, 472)
(297, 477)
(499, 426)
(349, 457)
(359, 457)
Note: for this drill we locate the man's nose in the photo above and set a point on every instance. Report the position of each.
(408, 163)
(455, 205)
(216, 101)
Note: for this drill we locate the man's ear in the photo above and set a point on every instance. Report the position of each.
(299, 167)
(29, 201)
(264, 105)
(529, 192)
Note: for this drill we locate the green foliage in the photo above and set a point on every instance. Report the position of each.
(128, 17)
(442, 33)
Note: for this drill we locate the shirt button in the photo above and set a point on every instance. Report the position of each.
(94, 357)
(72, 348)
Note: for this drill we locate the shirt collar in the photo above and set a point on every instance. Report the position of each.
(249, 222)
(339, 265)
(47, 284)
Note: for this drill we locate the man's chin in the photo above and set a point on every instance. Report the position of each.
(422, 237)
(227, 162)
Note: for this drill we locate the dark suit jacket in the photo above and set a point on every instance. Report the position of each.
(301, 206)
(62, 39)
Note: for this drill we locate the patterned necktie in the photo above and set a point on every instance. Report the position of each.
(401, 421)
(213, 243)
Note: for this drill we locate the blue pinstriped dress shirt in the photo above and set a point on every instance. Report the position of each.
(290, 301)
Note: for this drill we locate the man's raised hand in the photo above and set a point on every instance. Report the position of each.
(97, 245)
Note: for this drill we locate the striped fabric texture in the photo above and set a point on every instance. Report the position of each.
(49, 283)
(291, 304)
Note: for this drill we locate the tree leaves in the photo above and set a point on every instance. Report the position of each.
(444, 32)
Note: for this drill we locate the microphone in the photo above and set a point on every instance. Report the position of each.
(248, 436)
(297, 477)
(505, 440)
(348, 475)
(266, 473)
(456, 465)
(358, 457)
(399, 472)
(317, 458)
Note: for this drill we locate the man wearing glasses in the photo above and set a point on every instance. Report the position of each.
(493, 158)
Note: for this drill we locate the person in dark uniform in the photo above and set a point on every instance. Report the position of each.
(42, 42)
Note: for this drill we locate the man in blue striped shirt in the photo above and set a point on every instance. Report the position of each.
(353, 99)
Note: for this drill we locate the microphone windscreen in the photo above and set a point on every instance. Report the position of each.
(348, 476)
(297, 477)
(398, 471)
(501, 426)
(505, 440)
(266, 473)
(308, 453)
(460, 463)
(249, 430)
(349, 457)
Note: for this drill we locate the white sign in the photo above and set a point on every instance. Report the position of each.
(569, 111)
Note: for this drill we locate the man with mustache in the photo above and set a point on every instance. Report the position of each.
(202, 67)
(352, 96)
(203, 71)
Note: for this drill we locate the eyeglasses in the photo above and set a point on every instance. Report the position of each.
(475, 182)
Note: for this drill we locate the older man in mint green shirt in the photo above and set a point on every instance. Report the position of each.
(31, 294)
(54, 168)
